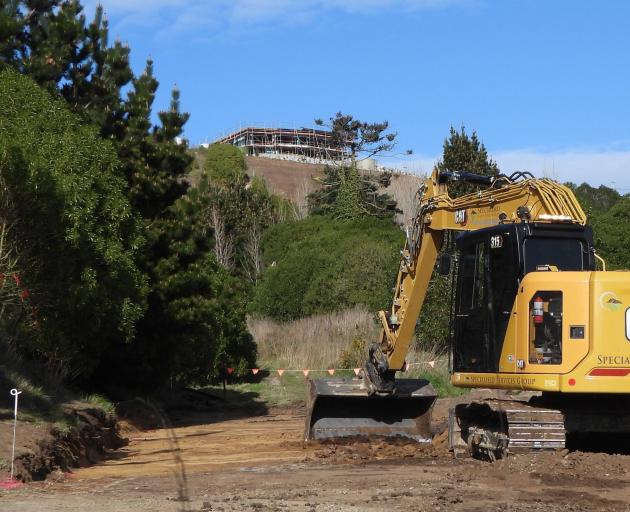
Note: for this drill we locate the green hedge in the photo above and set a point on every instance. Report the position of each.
(74, 230)
(320, 265)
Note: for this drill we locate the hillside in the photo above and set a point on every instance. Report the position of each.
(295, 180)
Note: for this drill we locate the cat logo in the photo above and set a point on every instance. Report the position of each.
(460, 217)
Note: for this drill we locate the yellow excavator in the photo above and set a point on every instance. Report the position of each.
(529, 312)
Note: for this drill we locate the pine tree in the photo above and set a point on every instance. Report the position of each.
(11, 30)
(137, 148)
(97, 76)
(345, 192)
(172, 161)
(463, 152)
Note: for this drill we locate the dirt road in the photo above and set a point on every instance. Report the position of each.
(224, 463)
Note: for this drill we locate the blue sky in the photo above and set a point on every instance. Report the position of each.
(546, 84)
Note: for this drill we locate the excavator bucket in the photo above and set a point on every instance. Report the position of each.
(342, 407)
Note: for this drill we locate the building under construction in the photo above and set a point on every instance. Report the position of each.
(301, 144)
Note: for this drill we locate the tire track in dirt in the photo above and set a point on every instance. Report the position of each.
(259, 463)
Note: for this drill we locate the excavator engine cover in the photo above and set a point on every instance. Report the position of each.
(343, 407)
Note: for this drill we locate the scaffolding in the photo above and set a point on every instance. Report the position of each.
(300, 144)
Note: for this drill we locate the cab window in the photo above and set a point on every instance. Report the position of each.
(564, 253)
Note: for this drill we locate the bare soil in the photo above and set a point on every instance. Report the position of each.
(290, 179)
(88, 436)
(229, 462)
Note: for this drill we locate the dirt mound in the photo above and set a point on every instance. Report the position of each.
(352, 450)
(94, 433)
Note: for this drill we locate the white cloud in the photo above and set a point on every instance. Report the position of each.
(610, 168)
(195, 14)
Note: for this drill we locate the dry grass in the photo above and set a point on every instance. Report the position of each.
(336, 340)
(325, 341)
(315, 342)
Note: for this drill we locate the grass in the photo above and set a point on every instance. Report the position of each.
(273, 390)
(319, 342)
(315, 342)
(43, 391)
(101, 402)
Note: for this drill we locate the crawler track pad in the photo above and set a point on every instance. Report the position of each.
(343, 408)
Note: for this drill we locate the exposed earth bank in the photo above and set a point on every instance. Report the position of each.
(87, 435)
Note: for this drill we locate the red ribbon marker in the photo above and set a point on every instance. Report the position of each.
(230, 371)
(9, 483)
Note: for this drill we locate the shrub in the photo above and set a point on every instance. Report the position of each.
(319, 265)
(75, 232)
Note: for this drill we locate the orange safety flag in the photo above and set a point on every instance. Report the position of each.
(255, 370)
(431, 364)
(280, 372)
(331, 371)
(306, 372)
(357, 371)
(230, 371)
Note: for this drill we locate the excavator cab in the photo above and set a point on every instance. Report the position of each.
(492, 263)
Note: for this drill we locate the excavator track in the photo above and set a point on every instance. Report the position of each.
(493, 428)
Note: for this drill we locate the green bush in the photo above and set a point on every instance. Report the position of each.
(608, 214)
(225, 164)
(319, 265)
(75, 233)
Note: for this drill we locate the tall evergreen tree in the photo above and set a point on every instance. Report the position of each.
(138, 145)
(190, 296)
(96, 77)
(172, 161)
(463, 152)
(11, 30)
(345, 192)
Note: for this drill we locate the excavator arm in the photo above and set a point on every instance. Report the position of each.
(379, 404)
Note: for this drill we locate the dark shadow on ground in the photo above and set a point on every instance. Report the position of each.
(188, 407)
(612, 443)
